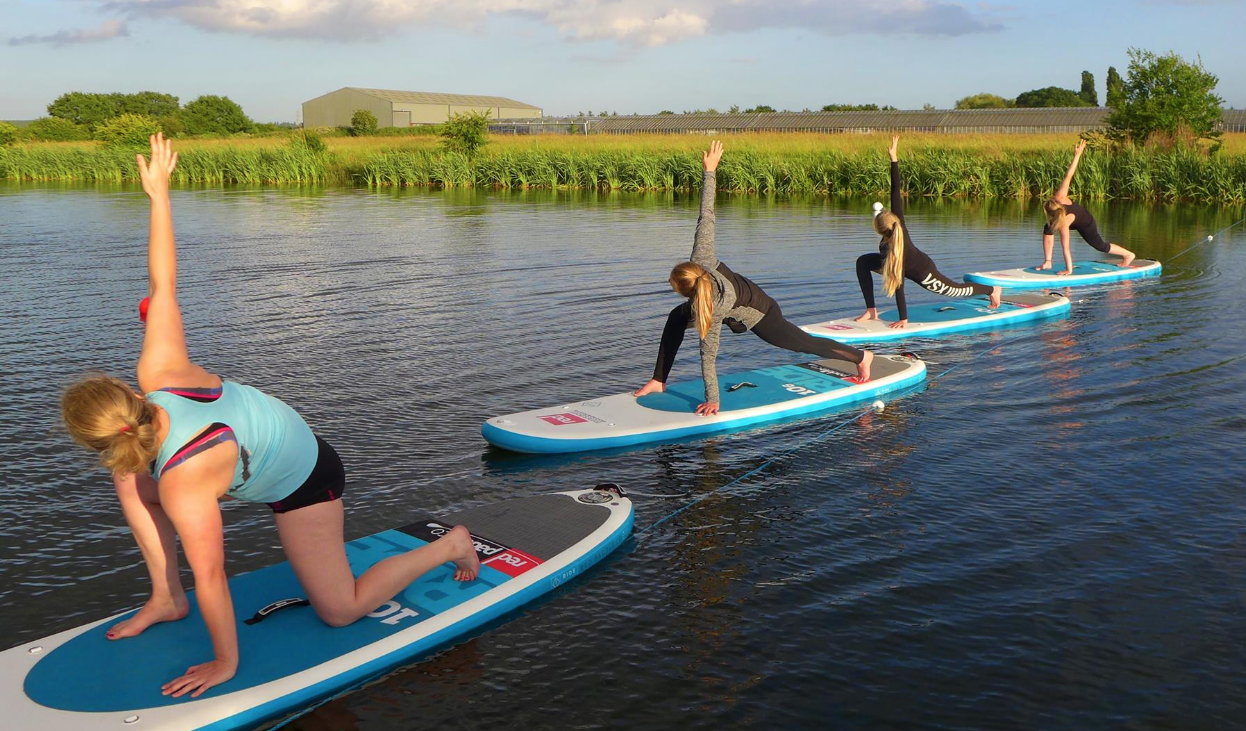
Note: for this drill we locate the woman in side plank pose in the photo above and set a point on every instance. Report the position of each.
(190, 439)
(717, 295)
(898, 259)
(1063, 214)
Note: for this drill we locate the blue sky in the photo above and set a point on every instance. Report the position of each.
(568, 56)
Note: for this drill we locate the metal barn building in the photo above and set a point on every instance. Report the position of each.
(407, 108)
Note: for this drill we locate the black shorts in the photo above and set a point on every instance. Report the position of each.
(325, 483)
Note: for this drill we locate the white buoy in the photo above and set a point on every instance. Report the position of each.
(878, 208)
(879, 406)
(1210, 237)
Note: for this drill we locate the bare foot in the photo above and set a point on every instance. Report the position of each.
(997, 296)
(463, 554)
(653, 386)
(870, 314)
(1044, 266)
(1065, 273)
(1129, 259)
(863, 368)
(155, 610)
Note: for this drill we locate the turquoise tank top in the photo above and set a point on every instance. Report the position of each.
(276, 449)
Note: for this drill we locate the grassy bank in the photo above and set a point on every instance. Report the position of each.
(975, 166)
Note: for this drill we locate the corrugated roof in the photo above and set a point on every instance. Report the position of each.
(429, 97)
(1087, 117)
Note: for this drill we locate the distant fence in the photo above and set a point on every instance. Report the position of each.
(954, 121)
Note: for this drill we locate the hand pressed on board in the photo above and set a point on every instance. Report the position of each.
(653, 386)
(710, 158)
(894, 149)
(155, 175)
(707, 409)
(199, 678)
(898, 324)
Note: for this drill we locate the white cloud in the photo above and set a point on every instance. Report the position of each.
(634, 22)
(108, 30)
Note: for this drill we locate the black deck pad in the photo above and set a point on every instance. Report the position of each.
(541, 526)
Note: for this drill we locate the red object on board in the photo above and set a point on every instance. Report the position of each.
(142, 308)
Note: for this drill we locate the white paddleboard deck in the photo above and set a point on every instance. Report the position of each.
(943, 318)
(1084, 272)
(747, 398)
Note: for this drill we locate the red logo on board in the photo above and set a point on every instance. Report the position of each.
(562, 419)
(513, 562)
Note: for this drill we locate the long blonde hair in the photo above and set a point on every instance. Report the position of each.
(1056, 212)
(693, 281)
(104, 415)
(887, 224)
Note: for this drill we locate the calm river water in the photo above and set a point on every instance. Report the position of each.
(1051, 536)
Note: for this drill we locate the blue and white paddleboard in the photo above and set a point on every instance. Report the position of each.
(1084, 272)
(943, 318)
(748, 398)
(80, 681)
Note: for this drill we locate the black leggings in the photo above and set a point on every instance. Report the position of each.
(772, 328)
(779, 332)
(930, 278)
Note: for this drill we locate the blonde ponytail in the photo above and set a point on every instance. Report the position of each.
(696, 283)
(1055, 212)
(104, 415)
(887, 224)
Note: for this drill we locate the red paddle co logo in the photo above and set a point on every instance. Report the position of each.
(562, 419)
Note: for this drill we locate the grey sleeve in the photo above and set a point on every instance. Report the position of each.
(709, 354)
(703, 243)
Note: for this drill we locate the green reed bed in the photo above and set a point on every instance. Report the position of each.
(928, 171)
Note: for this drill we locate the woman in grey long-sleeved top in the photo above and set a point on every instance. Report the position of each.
(717, 295)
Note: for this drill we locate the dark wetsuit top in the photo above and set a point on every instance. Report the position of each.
(1084, 224)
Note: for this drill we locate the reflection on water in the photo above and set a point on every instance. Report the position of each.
(1047, 536)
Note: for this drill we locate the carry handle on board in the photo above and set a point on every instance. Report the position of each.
(610, 487)
(278, 605)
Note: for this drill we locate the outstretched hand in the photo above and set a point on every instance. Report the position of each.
(1081, 147)
(155, 174)
(710, 158)
(895, 146)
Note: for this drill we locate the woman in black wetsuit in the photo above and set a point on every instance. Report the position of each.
(898, 259)
(717, 295)
(1063, 214)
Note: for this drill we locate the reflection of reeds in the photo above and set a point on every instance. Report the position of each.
(939, 166)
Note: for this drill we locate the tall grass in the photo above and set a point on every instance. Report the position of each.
(970, 166)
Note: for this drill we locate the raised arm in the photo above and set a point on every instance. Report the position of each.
(1062, 194)
(897, 200)
(703, 243)
(164, 357)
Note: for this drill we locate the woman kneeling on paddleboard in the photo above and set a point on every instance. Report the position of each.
(717, 295)
(898, 259)
(192, 439)
(1063, 214)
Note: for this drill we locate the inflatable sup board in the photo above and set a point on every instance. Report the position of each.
(80, 681)
(1084, 272)
(748, 398)
(943, 318)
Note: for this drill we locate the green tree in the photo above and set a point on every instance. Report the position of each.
(8, 134)
(214, 115)
(1088, 92)
(983, 101)
(149, 104)
(127, 130)
(760, 109)
(362, 123)
(85, 108)
(1116, 89)
(734, 109)
(665, 111)
(1168, 95)
(466, 132)
(856, 108)
(1050, 96)
(55, 129)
